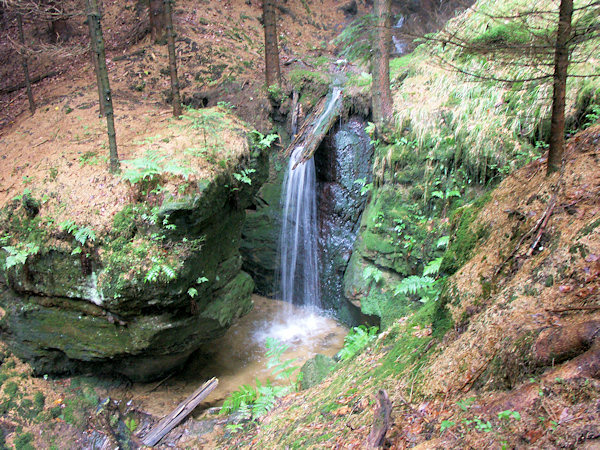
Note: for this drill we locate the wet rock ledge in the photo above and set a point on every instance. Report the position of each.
(138, 301)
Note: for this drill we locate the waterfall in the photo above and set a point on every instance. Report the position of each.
(399, 45)
(299, 270)
(298, 242)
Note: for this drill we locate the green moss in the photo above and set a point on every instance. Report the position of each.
(465, 238)
(586, 230)
(24, 441)
(311, 85)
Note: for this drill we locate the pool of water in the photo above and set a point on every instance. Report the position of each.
(239, 356)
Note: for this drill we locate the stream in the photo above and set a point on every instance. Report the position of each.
(239, 356)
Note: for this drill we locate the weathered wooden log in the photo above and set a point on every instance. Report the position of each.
(16, 87)
(181, 412)
(309, 137)
(381, 421)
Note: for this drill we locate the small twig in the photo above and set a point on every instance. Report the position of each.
(542, 227)
(574, 308)
(154, 387)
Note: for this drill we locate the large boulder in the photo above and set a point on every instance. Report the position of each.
(165, 280)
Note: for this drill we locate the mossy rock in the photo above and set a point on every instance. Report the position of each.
(316, 370)
(465, 236)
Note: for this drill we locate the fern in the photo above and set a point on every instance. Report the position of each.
(261, 399)
(244, 395)
(372, 274)
(17, 255)
(83, 234)
(413, 285)
(357, 339)
(433, 267)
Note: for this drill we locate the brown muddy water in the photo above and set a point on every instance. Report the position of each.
(239, 356)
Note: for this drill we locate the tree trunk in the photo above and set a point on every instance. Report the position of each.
(380, 64)
(272, 70)
(158, 21)
(25, 65)
(172, 60)
(561, 64)
(94, 56)
(94, 17)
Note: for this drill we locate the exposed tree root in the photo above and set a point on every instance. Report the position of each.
(558, 344)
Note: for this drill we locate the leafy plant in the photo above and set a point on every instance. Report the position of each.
(509, 414)
(81, 233)
(152, 165)
(17, 255)
(365, 187)
(263, 141)
(446, 424)
(160, 270)
(258, 400)
(357, 339)
(244, 176)
(372, 274)
(465, 403)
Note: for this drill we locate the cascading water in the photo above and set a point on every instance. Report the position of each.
(298, 246)
(298, 242)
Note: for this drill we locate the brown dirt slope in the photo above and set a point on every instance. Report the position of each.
(520, 365)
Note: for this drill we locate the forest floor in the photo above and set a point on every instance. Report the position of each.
(519, 367)
(59, 155)
(446, 393)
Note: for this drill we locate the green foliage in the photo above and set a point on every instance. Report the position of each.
(244, 176)
(262, 141)
(131, 424)
(18, 254)
(160, 270)
(356, 40)
(258, 400)
(365, 187)
(414, 285)
(508, 34)
(24, 441)
(509, 414)
(90, 158)
(81, 233)
(465, 403)
(372, 274)
(357, 339)
(446, 424)
(151, 166)
(592, 117)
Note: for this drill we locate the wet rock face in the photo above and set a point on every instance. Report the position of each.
(260, 233)
(341, 160)
(64, 313)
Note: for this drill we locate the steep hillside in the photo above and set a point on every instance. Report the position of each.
(508, 356)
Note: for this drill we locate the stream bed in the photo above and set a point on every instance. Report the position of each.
(238, 357)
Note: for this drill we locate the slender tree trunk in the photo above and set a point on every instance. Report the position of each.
(94, 17)
(561, 64)
(158, 22)
(25, 65)
(172, 60)
(94, 56)
(380, 62)
(272, 70)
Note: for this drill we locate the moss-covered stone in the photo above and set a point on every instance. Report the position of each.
(315, 370)
(164, 281)
(464, 235)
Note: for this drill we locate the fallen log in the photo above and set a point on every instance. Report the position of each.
(313, 131)
(181, 412)
(381, 421)
(16, 87)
